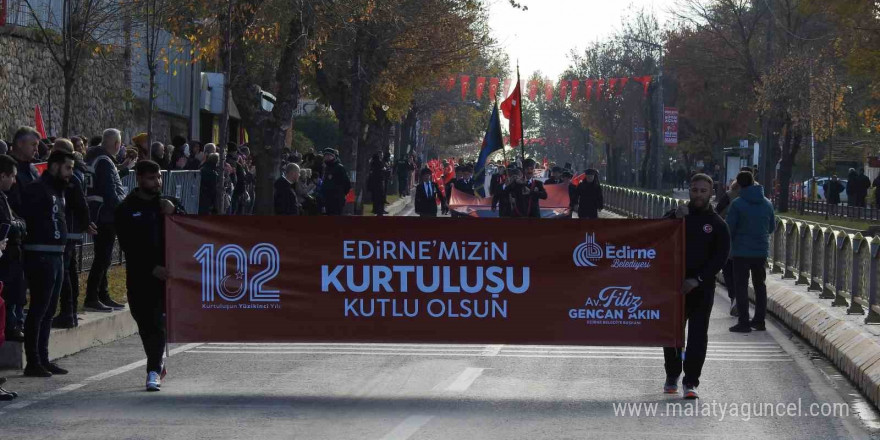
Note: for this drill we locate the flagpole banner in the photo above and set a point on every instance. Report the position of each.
(489, 281)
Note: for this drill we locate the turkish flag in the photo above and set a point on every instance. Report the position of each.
(481, 83)
(450, 83)
(493, 88)
(590, 89)
(38, 121)
(512, 109)
(548, 90)
(465, 85)
(574, 89)
(599, 84)
(645, 81)
(533, 89)
(563, 90)
(506, 86)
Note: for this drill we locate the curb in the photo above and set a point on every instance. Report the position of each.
(94, 329)
(854, 350)
(398, 206)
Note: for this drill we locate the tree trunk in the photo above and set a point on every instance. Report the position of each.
(790, 147)
(69, 80)
(150, 114)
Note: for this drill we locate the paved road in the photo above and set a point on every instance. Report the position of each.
(402, 391)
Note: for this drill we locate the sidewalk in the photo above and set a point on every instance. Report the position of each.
(94, 329)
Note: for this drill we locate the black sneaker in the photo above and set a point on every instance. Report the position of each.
(96, 306)
(36, 370)
(5, 396)
(60, 322)
(734, 310)
(741, 328)
(112, 304)
(758, 326)
(54, 368)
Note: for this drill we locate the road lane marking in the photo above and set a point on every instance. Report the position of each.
(461, 382)
(408, 427)
(24, 403)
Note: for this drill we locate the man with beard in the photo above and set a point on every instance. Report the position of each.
(335, 185)
(708, 243)
(139, 222)
(43, 210)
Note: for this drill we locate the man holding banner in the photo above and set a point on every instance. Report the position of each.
(708, 244)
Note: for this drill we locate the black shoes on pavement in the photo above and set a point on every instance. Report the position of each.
(36, 370)
(96, 306)
(741, 328)
(14, 335)
(43, 370)
(758, 326)
(112, 304)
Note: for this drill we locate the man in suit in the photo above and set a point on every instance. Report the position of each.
(427, 195)
(285, 198)
(536, 188)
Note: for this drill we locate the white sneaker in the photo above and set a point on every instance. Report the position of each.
(690, 392)
(153, 381)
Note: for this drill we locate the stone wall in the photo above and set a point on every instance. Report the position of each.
(101, 99)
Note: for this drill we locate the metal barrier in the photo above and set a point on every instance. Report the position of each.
(182, 185)
(841, 264)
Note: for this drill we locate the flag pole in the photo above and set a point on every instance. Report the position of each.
(522, 137)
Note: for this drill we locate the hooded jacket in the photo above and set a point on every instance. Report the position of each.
(751, 220)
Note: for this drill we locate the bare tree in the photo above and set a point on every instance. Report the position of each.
(83, 28)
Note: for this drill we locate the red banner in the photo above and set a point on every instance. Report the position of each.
(2, 12)
(358, 279)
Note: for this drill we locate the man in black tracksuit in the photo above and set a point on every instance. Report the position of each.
(139, 223)
(708, 245)
(11, 265)
(43, 209)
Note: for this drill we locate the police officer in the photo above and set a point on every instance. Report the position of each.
(78, 223)
(708, 244)
(43, 210)
(105, 193)
(335, 185)
(139, 222)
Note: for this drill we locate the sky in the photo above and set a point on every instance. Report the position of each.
(542, 37)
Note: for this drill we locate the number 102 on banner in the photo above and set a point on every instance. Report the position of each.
(235, 283)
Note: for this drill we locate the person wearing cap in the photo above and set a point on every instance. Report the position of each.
(589, 199)
(555, 176)
(428, 196)
(536, 189)
(336, 184)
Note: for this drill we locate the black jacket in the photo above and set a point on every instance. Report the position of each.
(427, 205)
(285, 198)
(27, 173)
(43, 210)
(77, 214)
(589, 199)
(512, 200)
(335, 187)
(832, 191)
(17, 230)
(208, 189)
(465, 186)
(707, 245)
(141, 231)
(104, 190)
